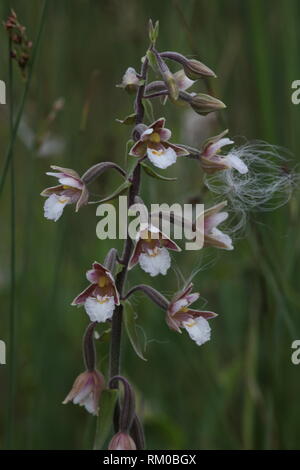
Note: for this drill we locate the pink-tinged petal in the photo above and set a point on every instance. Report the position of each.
(66, 171)
(135, 255)
(182, 81)
(83, 200)
(173, 324)
(169, 244)
(165, 134)
(212, 149)
(218, 239)
(93, 276)
(52, 190)
(185, 291)
(215, 209)
(214, 220)
(191, 298)
(213, 164)
(56, 175)
(146, 133)
(233, 161)
(175, 307)
(139, 149)
(69, 181)
(99, 267)
(202, 313)
(180, 151)
(81, 298)
(157, 125)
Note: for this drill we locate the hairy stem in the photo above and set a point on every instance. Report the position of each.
(116, 333)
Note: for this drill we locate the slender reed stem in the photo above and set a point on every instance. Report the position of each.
(9, 151)
(12, 332)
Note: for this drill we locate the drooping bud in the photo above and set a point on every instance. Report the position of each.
(193, 68)
(202, 103)
(122, 441)
(127, 409)
(86, 391)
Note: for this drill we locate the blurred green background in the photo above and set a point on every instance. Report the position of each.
(240, 390)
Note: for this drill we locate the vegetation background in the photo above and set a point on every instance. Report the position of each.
(240, 390)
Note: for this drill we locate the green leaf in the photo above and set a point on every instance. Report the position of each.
(108, 402)
(155, 175)
(128, 120)
(120, 190)
(130, 327)
(149, 110)
(129, 144)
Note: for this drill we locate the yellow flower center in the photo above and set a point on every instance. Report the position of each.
(158, 153)
(155, 137)
(191, 323)
(184, 309)
(62, 201)
(103, 300)
(67, 187)
(102, 281)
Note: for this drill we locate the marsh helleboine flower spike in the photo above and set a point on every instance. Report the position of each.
(106, 297)
(101, 296)
(71, 190)
(151, 251)
(87, 388)
(180, 315)
(154, 142)
(126, 416)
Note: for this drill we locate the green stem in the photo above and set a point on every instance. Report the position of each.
(12, 335)
(9, 151)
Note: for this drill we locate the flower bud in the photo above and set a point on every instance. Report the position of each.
(202, 103)
(193, 68)
(122, 441)
(130, 81)
(153, 31)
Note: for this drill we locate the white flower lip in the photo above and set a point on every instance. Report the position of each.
(99, 308)
(235, 162)
(162, 158)
(198, 329)
(54, 206)
(155, 263)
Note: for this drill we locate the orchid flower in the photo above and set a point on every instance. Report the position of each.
(101, 296)
(212, 161)
(86, 391)
(213, 217)
(179, 315)
(151, 251)
(154, 142)
(71, 190)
